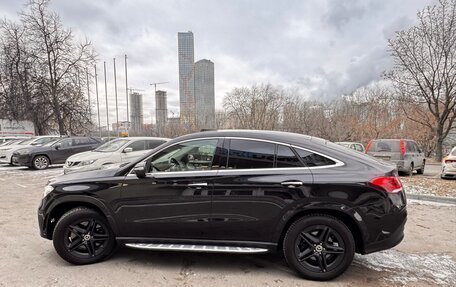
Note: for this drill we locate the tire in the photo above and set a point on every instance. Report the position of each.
(74, 238)
(40, 162)
(421, 170)
(410, 171)
(324, 243)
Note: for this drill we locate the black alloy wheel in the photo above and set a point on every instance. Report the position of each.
(83, 236)
(319, 247)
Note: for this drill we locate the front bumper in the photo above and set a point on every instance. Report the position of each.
(72, 169)
(21, 159)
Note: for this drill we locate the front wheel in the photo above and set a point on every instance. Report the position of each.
(319, 247)
(83, 236)
(40, 162)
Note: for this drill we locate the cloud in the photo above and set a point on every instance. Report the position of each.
(320, 49)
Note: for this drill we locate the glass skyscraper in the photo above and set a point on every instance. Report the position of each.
(186, 76)
(205, 93)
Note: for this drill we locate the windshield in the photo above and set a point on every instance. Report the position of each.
(111, 145)
(26, 142)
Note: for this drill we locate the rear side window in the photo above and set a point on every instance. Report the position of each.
(286, 157)
(312, 159)
(246, 154)
(385, 146)
(82, 141)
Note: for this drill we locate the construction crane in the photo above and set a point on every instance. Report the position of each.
(136, 90)
(155, 85)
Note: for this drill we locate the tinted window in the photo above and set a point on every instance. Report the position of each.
(82, 141)
(137, 145)
(385, 146)
(65, 143)
(151, 144)
(312, 159)
(286, 157)
(246, 154)
(187, 156)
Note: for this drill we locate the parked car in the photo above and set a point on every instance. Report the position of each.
(121, 150)
(13, 142)
(56, 152)
(11, 138)
(232, 191)
(449, 165)
(404, 153)
(6, 152)
(353, 145)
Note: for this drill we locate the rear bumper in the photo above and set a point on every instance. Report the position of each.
(389, 237)
(448, 171)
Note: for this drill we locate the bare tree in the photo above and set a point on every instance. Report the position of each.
(256, 107)
(59, 57)
(424, 71)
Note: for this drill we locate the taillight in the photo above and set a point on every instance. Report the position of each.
(402, 147)
(389, 184)
(368, 146)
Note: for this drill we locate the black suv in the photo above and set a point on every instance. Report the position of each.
(55, 152)
(232, 191)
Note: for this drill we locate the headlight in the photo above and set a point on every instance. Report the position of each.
(48, 189)
(87, 162)
(22, 151)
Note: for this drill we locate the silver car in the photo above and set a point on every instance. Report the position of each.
(404, 153)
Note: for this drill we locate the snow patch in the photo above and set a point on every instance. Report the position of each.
(404, 268)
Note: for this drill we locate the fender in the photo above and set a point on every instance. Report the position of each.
(74, 199)
(303, 208)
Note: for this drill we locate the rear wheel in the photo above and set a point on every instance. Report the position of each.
(421, 170)
(83, 236)
(319, 247)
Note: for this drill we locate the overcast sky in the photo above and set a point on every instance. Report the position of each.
(320, 49)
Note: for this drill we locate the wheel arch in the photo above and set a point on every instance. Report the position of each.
(59, 209)
(347, 219)
(41, 154)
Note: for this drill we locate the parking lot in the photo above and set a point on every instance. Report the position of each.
(426, 257)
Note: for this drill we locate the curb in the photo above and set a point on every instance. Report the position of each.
(440, 199)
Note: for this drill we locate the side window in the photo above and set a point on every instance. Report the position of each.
(137, 145)
(151, 144)
(409, 147)
(359, 148)
(187, 156)
(417, 148)
(312, 159)
(66, 143)
(81, 141)
(286, 157)
(248, 154)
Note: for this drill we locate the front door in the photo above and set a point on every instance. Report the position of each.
(174, 200)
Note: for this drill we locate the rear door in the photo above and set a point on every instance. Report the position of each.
(256, 181)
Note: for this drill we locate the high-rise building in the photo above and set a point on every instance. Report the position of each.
(205, 93)
(186, 76)
(161, 108)
(136, 112)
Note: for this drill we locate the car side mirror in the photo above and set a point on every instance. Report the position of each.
(57, 146)
(128, 149)
(141, 169)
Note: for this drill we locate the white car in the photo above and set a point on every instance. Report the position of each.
(121, 150)
(449, 165)
(7, 151)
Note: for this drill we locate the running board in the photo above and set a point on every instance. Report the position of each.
(196, 248)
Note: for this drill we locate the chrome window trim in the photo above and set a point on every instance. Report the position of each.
(338, 163)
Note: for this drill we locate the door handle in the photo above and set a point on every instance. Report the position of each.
(292, 184)
(199, 184)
